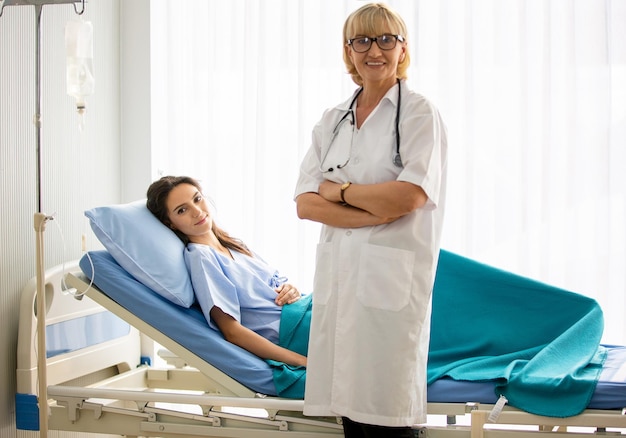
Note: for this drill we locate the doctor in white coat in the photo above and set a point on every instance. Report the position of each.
(375, 177)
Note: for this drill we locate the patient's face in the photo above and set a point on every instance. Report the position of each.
(189, 212)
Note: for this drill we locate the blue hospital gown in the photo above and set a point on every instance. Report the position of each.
(243, 288)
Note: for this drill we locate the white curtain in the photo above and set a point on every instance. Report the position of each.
(533, 93)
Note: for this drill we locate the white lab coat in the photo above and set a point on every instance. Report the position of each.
(372, 287)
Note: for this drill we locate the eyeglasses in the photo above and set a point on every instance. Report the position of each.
(385, 42)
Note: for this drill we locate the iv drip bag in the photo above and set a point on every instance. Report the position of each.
(79, 50)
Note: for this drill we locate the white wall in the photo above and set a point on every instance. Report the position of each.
(78, 171)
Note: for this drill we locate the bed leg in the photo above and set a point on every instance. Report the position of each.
(479, 418)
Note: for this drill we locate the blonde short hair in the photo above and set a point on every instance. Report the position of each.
(370, 20)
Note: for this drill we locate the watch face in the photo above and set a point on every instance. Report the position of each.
(345, 186)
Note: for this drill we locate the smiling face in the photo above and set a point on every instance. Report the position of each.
(372, 21)
(376, 64)
(189, 213)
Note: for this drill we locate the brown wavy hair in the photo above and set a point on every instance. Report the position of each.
(157, 195)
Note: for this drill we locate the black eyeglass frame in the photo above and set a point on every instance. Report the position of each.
(375, 39)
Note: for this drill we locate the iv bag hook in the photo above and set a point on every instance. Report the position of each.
(82, 2)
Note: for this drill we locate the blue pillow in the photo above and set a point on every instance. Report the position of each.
(144, 247)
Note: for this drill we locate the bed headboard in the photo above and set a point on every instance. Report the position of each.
(82, 337)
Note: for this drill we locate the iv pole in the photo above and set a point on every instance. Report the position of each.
(40, 218)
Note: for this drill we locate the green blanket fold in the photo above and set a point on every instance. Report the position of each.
(538, 343)
(295, 323)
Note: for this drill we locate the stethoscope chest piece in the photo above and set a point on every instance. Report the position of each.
(397, 160)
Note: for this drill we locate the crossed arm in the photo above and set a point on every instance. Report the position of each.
(368, 204)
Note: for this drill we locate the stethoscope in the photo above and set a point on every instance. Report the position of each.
(349, 117)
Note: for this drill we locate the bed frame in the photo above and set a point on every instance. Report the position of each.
(106, 387)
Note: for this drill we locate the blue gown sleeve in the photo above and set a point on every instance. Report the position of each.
(211, 285)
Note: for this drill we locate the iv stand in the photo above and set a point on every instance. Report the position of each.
(40, 218)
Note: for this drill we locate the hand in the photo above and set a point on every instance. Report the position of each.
(330, 191)
(287, 294)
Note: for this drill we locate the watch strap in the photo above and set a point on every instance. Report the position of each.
(344, 186)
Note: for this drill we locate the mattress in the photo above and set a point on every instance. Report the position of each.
(188, 327)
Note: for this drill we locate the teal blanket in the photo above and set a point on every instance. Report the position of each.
(540, 344)
(295, 323)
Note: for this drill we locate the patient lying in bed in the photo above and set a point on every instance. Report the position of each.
(239, 293)
(529, 357)
(538, 344)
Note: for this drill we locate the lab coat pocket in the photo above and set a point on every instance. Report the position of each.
(385, 277)
(322, 280)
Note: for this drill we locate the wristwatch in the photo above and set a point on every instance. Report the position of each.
(344, 186)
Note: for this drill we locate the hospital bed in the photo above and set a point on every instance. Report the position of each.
(210, 388)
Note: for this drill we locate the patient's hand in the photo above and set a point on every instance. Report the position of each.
(287, 294)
